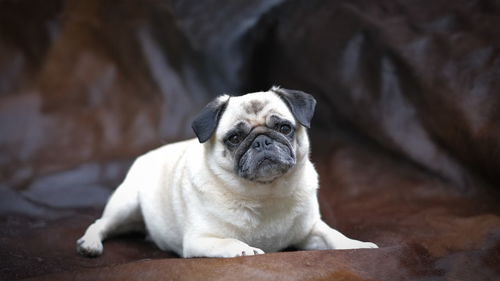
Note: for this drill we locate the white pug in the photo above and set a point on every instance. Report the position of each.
(247, 187)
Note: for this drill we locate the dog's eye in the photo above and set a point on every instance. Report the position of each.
(234, 139)
(285, 129)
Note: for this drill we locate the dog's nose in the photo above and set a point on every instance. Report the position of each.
(262, 142)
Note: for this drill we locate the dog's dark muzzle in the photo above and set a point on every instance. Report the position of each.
(264, 156)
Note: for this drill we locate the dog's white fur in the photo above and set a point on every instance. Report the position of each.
(192, 202)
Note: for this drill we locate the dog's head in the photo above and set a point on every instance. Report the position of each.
(258, 136)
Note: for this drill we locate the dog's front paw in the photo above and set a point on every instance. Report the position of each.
(355, 244)
(237, 250)
(369, 245)
(89, 247)
(218, 248)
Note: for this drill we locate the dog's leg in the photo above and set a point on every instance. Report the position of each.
(122, 214)
(208, 246)
(323, 237)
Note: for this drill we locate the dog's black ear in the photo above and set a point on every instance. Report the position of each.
(301, 104)
(206, 121)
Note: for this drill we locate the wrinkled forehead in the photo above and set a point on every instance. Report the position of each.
(254, 109)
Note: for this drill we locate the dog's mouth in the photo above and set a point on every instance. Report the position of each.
(266, 167)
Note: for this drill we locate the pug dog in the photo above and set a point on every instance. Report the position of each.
(244, 187)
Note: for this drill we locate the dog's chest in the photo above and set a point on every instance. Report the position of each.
(271, 226)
